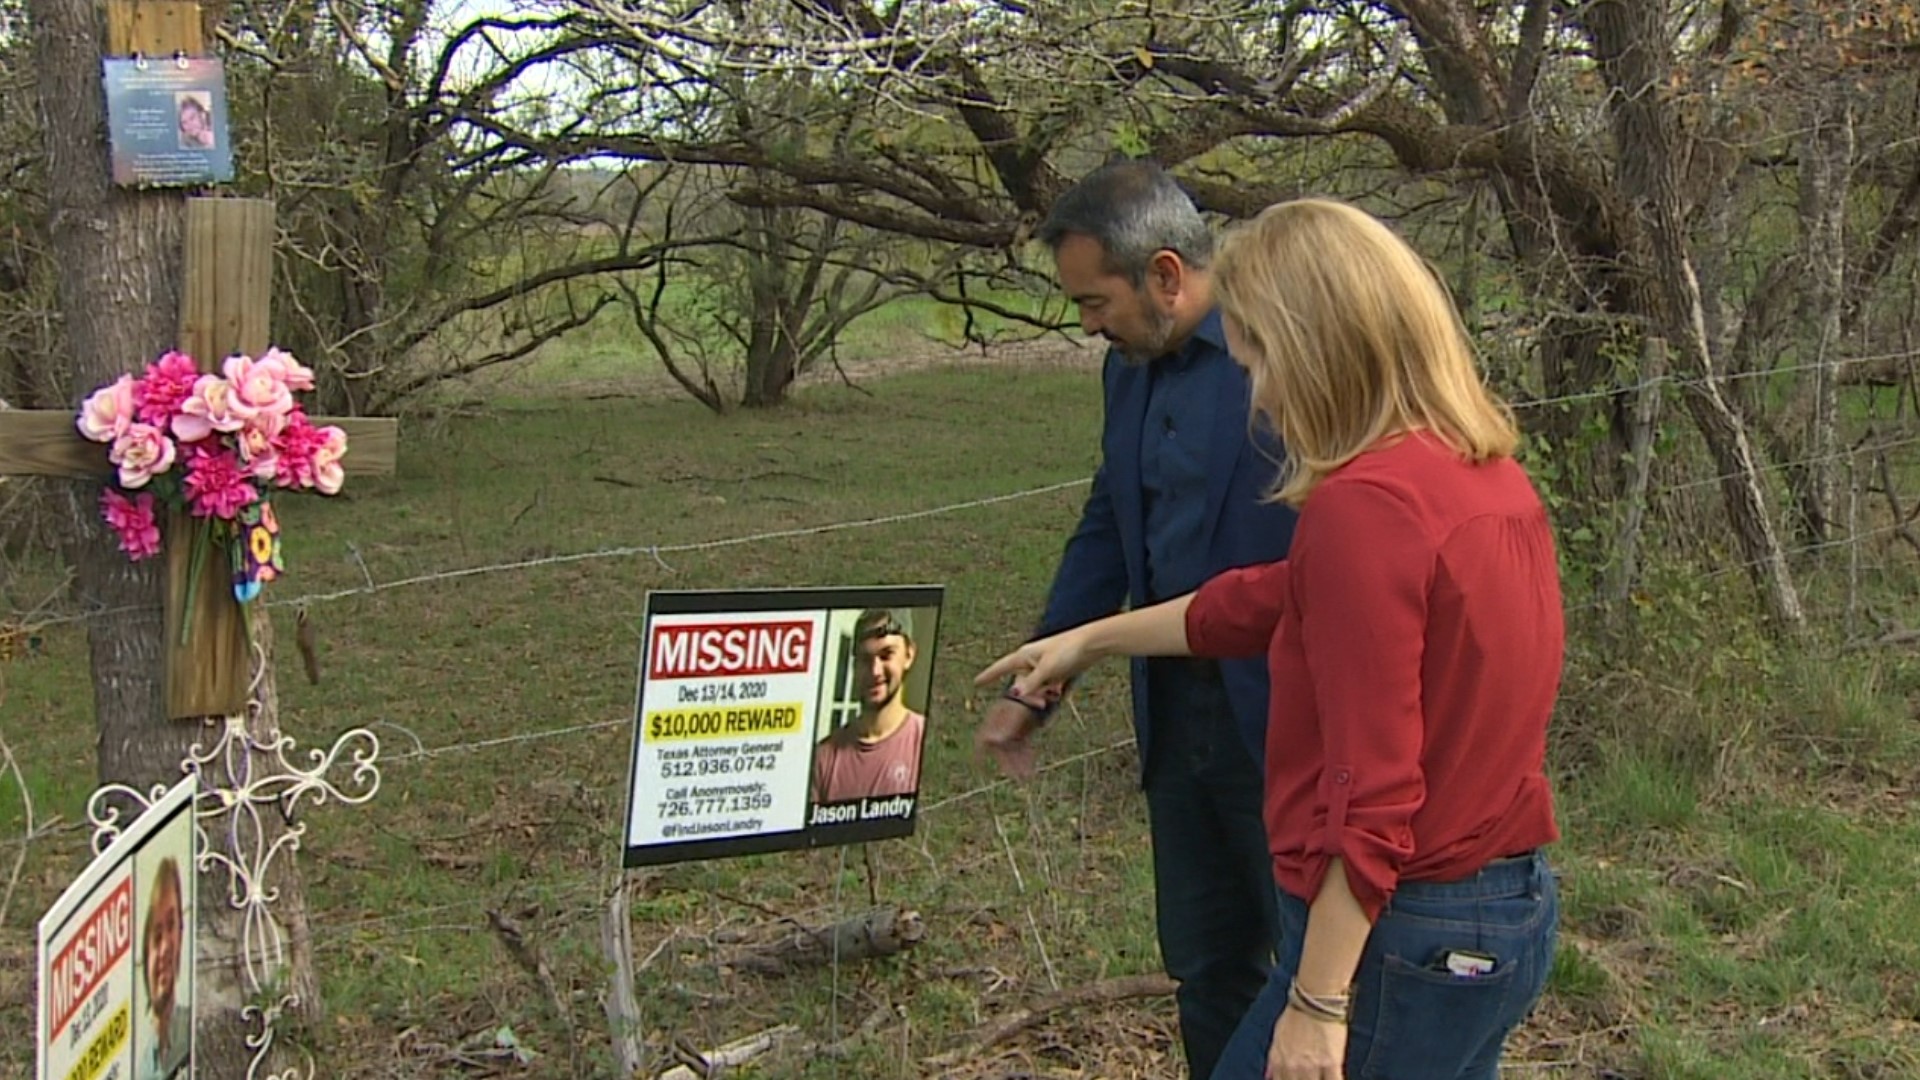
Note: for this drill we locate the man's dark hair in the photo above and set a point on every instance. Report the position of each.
(882, 622)
(1134, 209)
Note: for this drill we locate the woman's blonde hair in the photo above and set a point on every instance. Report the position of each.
(1353, 338)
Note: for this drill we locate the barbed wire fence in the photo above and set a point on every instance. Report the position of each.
(46, 618)
(1870, 537)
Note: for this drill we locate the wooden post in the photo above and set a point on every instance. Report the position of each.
(224, 309)
(154, 28)
(623, 1008)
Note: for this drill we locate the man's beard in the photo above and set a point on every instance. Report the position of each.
(1159, 332)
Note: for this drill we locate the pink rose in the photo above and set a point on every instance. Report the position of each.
(259, 448)
(328, 473)
(296, 375)
(166, 385)
(213, 406)
(134, 521)
(216, 485)
(108, 411)
(260, 385)
(142, 452)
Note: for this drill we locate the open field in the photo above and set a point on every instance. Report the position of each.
(1741, 856)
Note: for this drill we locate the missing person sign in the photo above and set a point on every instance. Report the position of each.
(779, 718)
(116, 956)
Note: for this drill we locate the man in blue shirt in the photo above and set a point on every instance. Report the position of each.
(1177, 499)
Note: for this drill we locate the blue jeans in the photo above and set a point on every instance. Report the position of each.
(1216, 907)
(1413, 1019)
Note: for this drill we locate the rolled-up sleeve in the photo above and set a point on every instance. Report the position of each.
(1362, 583)
(1233, 615)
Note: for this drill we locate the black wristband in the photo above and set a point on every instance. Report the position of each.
(1042, 710)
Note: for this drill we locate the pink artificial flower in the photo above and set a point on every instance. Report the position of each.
(297, 375)
(216, 485)
(165, 387)
(133, 519)
(259, 452)
(213, 406)
(328, 474)
(142, 452)
(108, 411)
(260, 385)
(294, 452)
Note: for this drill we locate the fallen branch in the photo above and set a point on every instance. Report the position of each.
(842, 1047)
(881, 932)
(1100, 993)
(696, 1065)
(27, 830)
(1888, 637)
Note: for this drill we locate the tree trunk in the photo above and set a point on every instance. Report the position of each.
(1825, 153)
(120, 266)
(770, 372)
(1571, 342)
(1630, 41)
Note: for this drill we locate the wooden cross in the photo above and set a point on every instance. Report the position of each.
(224, 309)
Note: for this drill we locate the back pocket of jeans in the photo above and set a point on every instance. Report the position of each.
(1430, 1022)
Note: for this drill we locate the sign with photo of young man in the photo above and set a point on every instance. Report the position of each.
(777, 719)
(116, 955)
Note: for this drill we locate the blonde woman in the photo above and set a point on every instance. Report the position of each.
(1415, 640)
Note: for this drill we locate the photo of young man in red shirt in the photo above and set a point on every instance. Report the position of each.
(878, 754)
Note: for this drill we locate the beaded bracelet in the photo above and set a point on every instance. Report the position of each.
(1327, 1010)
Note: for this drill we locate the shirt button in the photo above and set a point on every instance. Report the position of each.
(1341, 777)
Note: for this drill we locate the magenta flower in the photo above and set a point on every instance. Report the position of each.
(165, 387)
(134, 521)
(296, 448)
(216, 484)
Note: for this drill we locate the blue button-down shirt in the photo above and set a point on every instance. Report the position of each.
(1173, 462)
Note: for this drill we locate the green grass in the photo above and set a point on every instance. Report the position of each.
(610, 352)
(1741, 862)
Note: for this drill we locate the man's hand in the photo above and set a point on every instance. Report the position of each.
(1006, 735)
